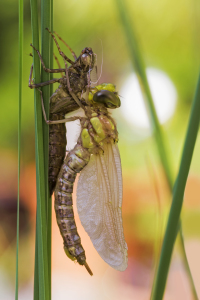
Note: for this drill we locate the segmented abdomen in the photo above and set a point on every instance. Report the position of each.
(57, 149)
(75, 161)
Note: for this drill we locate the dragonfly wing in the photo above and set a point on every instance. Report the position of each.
(99, 201)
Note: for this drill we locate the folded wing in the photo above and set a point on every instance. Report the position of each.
(99, 201)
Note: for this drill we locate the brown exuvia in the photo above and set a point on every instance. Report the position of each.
(72, 84)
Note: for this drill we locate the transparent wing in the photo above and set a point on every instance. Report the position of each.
(99, 201)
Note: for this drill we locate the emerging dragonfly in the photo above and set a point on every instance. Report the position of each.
(99, 193)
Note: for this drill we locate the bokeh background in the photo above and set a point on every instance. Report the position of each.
(168, 34)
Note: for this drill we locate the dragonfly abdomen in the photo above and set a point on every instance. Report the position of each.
(57, 149)
(74, 162)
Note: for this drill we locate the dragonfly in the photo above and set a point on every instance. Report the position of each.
(64, 100)
(99, 194)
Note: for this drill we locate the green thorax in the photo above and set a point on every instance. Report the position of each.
(97, 130)
(98, 127)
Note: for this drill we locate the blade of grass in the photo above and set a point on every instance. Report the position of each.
(138, 65)
(36, 67)
(45, 51)
(178, 195)
(20, 62)
(51, 48)
(41, 282)
(47, 54)
(49, 209)
(36, 270)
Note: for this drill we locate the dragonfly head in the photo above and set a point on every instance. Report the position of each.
(108, 98)
(88, 57)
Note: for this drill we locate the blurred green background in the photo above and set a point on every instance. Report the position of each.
(168, 34)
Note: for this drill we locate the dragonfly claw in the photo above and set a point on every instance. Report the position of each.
(88, 268)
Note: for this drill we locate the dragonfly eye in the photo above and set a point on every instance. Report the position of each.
(86, 59)
(109, 99)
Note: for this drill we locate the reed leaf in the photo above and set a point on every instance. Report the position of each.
(178, 195)
(49, 207)
(20, 68)
(138, 65)
(42, 276)
(47, 54)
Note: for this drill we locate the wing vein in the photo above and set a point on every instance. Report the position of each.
(99, 200)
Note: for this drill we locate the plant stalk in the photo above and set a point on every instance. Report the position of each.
(138, 65)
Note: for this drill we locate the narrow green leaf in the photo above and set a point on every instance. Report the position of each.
(47, 54)
(45, 51)
(20, 62)
(36, 65)
(42, 288)
(49, 209)
(173, 221)
(139, 67)
(36, 271)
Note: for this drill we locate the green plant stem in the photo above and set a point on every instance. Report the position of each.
(36, 269)
(139, 67)
(178, 195)
(41, 278)
(20, 62)
(45, 51)
(49, 209)
(47, 54)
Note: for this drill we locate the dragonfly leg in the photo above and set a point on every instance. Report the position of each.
(37, 85)
(43, 65)
(88, 269)
(60, 52)
(30, 76)
(49, 122)
(70, 49)
(56, 59)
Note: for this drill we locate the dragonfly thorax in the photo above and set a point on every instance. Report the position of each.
(96, 131)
